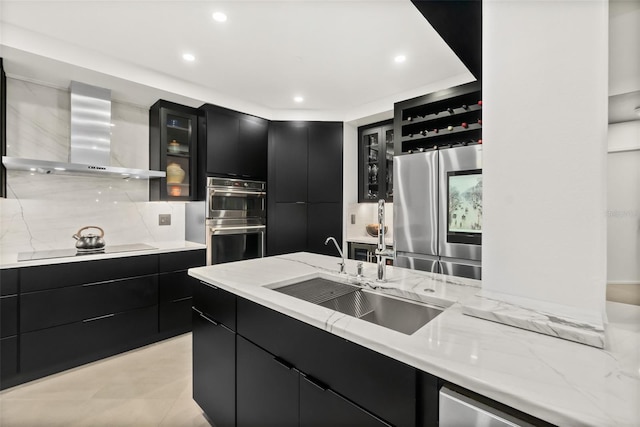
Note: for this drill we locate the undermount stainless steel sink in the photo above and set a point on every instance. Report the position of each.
(399, 315)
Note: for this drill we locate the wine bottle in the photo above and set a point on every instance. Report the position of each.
(464, 125)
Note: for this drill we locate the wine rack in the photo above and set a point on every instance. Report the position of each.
(447, 118)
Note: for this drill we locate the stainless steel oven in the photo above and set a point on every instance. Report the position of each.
(236, 220)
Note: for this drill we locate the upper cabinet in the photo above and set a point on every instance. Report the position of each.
(446, 118)
(235, 143)
(173, 139)
(375, 165)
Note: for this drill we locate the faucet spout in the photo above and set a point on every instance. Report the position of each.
(326, 242)
(382, 253)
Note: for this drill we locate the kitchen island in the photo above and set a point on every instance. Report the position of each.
(558, 381)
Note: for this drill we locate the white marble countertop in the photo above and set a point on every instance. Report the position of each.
(10, 259)
(562, 382)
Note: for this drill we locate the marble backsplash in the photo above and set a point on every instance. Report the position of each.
(43, 211)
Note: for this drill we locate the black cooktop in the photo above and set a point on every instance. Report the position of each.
(64, 253)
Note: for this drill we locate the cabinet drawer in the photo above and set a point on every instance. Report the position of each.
(8, 316)
(63, 347)
(376, 382)
(8, 281)
(215, 303)
(8, 358)
(78, 273)
(175, 315)
(182, 260)
(174, 286)
(55, 307)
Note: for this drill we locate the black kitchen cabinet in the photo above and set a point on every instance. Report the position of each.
(381, 385)
(60, 306)
(59, 316)
(8, 323)
(447, 118)
(45, 351)
(173, 147)
(305, 186)
(321, 406)
(375, 162)
(214, 354)
(234, 143)
(267, 388)
(175, 290)
(214, 383)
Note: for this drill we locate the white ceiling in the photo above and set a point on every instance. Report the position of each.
(338, 55)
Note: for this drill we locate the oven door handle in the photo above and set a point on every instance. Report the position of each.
(237, 192)
(248, 228)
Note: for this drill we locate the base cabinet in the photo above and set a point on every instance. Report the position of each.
(289, 373)
(59, 316)
(214, 368)
(267, 390)
(320, 406)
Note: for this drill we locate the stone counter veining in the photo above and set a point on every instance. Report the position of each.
(560, 381)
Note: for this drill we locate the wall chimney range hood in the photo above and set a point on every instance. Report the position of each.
(90, 131)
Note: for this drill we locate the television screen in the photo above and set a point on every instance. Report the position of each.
(465, 202)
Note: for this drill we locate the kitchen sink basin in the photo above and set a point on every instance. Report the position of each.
(399, 315)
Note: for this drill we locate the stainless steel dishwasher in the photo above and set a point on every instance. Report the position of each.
(457, 410)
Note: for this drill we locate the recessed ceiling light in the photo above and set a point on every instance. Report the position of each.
(400, 58)
(188, 57)
(298, 98)
(219, 16)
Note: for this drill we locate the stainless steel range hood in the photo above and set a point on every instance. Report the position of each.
(90, 131)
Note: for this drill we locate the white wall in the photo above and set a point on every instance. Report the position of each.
(43, 211)
(544, 128)
(623, 204)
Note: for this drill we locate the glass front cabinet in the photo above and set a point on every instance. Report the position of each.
(375, 165)
(173, 149)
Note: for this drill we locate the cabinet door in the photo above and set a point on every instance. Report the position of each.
(321, 407)
(62, 347)
(370, 151)
(216, 304)
(252, 155)
(325, 162)
(323, 220)
(8, 359)
(287, 228)
(267, 388)
(55, 307)
(214, 370)
(222, 143)
(386, 162)
(175, 292)
(288, 145)
(8, 316)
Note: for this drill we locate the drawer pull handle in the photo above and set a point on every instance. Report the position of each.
(207, 318)
(181, 299)
(315, 382)
(208, 284)
(93, 319)
(283, 363)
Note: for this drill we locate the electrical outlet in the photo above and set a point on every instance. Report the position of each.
(164, 219)
(353, 219)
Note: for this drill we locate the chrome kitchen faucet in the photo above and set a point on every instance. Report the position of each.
(342, 270)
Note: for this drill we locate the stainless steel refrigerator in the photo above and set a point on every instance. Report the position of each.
(437, 211)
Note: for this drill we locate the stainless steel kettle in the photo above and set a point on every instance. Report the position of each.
(89, 241)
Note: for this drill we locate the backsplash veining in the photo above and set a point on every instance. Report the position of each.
(43, 211)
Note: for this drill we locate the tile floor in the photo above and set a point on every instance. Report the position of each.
(150, 386)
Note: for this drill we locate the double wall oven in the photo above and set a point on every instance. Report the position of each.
(235, 220)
